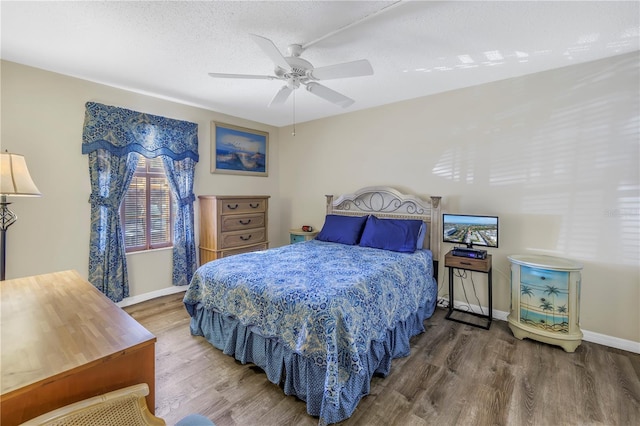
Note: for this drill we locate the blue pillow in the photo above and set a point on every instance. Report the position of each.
(342, 229)
(391, 234)
(421, 235)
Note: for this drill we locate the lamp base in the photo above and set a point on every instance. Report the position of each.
(3, 247)
(7, 218)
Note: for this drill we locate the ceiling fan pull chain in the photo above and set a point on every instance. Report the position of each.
(294, 114)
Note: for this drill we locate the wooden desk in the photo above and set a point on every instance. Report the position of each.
(64, 341)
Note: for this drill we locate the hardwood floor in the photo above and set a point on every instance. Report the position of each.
(456, 375)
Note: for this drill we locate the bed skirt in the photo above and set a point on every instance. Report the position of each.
(299, 375)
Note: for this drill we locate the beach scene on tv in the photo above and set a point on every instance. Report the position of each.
(471, 230)
(240, 151)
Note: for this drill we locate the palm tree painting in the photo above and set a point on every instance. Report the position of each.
(546, 306)
(564, 326)
(552, 291)
(526, 291)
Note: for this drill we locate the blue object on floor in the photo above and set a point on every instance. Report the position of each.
(195, 420)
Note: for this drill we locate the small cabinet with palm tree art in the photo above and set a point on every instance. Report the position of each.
(545, 300)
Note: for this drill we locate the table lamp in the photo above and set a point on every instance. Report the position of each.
(15, 181)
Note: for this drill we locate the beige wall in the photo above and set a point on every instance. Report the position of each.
(554, 155)
(42, 117)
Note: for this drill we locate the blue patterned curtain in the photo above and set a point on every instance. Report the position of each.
(110, 177)
(180, 177)
(113, 137)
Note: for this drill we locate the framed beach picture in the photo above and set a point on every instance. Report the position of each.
(238, 150)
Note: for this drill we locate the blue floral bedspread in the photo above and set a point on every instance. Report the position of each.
(324, 301)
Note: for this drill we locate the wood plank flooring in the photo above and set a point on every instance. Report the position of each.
(456, 375)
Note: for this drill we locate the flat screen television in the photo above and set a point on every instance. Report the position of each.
(470, 230)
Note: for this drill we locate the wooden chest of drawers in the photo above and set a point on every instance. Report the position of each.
(232, 224)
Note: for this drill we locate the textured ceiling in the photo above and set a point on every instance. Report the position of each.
(416, 48)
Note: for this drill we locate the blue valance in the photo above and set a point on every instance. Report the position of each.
(121, 131)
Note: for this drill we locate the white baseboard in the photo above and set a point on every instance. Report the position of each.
(614, 342)
(588, 336)
(128, 301)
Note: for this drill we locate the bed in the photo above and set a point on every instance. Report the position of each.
(321, 317)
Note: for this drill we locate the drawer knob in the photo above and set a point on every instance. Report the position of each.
(254, 206)
(232, 208)
(243, 238)
(245, 223)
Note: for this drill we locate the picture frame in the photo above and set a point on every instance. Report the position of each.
(238, 150)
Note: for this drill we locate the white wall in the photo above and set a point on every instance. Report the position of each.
(555, 155)
(42, 119)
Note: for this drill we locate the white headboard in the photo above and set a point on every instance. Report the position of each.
(384, 201)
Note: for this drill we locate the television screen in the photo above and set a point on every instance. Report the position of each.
(470, 230)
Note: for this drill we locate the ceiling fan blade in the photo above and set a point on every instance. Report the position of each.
(271, 51)
(281, 96)
(329, 95)
(348, 69)
(245, 76)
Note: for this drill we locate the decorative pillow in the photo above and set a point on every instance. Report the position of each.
(342, 229)
(391, 234)
(421, 235)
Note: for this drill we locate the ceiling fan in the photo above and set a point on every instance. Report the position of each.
(296, 71)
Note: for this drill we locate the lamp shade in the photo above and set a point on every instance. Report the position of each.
(14, 177)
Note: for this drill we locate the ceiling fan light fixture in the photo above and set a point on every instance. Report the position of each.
(293, 83)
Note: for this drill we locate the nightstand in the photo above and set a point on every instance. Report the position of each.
(298, 235)
(469, 264)
(545, 300)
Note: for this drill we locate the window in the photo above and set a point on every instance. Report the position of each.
(147, 210)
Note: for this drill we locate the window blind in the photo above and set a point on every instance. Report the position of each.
(147, 208)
